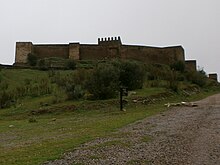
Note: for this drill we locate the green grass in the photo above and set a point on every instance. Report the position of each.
(15, 77)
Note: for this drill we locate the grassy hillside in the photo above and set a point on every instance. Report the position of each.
(42, 126)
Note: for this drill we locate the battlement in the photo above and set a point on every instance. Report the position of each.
(110, 41)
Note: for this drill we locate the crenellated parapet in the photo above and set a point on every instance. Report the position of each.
(109, 41)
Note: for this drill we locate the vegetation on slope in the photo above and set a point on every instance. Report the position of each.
(53, 111)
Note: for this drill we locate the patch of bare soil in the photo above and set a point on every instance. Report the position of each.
(180, 136)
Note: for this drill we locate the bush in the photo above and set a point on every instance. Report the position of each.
(173, 83)
(72, 84)
(197, 78)
(158, 72)
(6, 99)
(32, 119)
(80, 76)
(74, 91)
(32, 59)
(4, 85)
(70, 64)
(103, 82)
(132, 75)
(42, 64)
(178, 66)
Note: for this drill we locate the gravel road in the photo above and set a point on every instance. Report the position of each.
(179, 136)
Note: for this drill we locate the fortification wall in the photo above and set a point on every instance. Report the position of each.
(213, 76)
(152, 54)
(96, 52)
(22, 51)
(46, 51)
(107, 48)
(191, 65)
(177, 53)
(74, 51)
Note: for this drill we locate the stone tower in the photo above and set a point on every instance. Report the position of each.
(22, 51)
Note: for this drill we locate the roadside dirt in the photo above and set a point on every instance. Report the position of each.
(179, 136)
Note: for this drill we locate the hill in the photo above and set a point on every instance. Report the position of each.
(45, 113)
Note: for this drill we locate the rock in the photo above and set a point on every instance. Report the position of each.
(134, 101)
(188, 104)
(11, 126)
(132, 93)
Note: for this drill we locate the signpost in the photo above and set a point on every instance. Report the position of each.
(123, 92)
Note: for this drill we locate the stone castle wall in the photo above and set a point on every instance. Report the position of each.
(107, 48)
(213, 76)
(191, 65)
(74, 51)
(152, 54)
(22, 50)
(46, 51)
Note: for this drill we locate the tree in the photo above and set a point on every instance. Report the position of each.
(132, 75)
(178, 66)
(103, 82)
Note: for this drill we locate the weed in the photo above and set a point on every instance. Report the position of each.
(32, 119)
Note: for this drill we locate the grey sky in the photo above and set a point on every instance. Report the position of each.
(194, 24)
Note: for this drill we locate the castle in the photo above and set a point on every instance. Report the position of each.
(107, 48)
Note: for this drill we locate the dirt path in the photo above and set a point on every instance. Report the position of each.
(180, 136)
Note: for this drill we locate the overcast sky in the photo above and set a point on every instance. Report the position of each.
(194, 24)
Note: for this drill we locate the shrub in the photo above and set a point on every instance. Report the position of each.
(42, 65)
(74, 91)
(157, 72)
(32, 59)
(178, 66)
(132, 75)
(80, 76)
(4, 85)
(32, 119)
(197, 78)
(72, 84)
(70, 64)
(103, 82)
(6, 99)
(51, 73)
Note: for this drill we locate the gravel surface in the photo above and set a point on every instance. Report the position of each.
(180, 136)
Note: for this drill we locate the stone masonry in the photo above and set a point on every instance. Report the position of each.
(107, 48)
